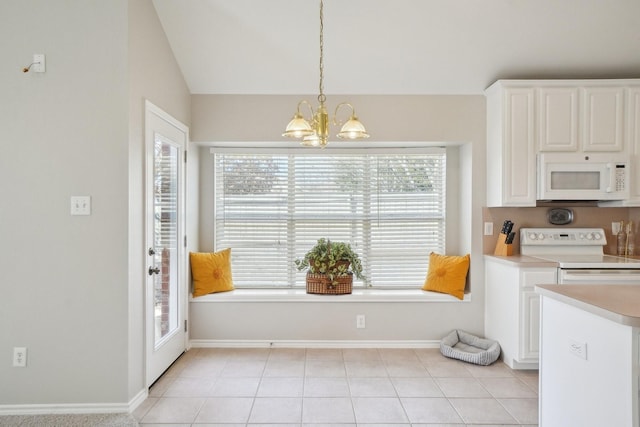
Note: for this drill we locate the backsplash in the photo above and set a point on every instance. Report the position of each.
(537, 217)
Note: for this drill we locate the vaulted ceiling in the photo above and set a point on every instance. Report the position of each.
(397, 46)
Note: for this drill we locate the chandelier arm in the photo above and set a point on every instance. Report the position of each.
(313, 113)
(335, 114)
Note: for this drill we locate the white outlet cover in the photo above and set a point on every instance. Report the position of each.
(80, 205)
(578, 348)
(20, 357)
(39, 63)
(488, 228)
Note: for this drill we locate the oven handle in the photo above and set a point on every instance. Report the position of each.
(600, 275)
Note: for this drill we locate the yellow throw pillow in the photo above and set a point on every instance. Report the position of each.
(211, 272)
(447, 274)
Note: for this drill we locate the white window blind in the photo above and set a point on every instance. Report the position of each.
(272, 208)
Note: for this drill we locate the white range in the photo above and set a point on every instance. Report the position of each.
(580, 255)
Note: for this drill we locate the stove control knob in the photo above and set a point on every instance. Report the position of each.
(533, 236)
(541, 236)
(597, 236)
(589, 236)
(581, 236)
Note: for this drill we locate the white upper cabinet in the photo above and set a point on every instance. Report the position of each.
(527, 117)
(558, 118)
(603, 119)
(584, 119)
(633, 142)
(511, 153)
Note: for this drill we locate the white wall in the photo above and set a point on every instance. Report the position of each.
(71, 286)
(261, 119)
(63, 279)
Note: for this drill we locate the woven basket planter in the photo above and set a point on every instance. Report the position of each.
(321, 284)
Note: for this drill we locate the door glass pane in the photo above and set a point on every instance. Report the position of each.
(165, 229)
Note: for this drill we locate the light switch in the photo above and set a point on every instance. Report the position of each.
(39, 63)
(80, 205)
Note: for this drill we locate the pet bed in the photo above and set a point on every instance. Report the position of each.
(469, 348)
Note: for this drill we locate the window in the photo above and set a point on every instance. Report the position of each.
(272, 208)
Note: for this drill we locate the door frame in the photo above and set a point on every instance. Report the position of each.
(149, 325)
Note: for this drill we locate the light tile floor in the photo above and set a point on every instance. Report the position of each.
(338, 387)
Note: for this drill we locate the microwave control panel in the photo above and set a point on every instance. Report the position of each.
(620, 177)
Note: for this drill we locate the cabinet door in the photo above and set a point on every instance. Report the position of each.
(603, 119)
(530, 334)
(511, 146)
(558, 119)
(519, 178)
(633, 117)
(529, 343)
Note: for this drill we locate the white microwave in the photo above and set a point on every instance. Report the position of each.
(583, 176)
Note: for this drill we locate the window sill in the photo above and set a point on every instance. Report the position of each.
(300, 295)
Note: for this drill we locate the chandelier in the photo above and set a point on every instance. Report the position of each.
(315, 132)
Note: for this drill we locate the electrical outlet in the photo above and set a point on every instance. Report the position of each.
(488, 229)
(360, 321)
(578, 349)
(20, 357)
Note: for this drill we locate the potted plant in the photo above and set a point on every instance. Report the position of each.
(331, 264)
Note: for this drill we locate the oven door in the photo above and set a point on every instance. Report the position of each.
(598, 277)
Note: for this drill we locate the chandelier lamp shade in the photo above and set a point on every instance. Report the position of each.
(314, 132)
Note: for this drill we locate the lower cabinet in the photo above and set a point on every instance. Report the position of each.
(530, 318)
(512, 309)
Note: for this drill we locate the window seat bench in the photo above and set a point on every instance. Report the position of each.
(292, 318)
(300, 295)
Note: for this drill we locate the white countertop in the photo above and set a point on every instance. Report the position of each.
(522, 261)
(619, 303)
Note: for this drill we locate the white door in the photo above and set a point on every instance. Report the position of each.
(166, 288)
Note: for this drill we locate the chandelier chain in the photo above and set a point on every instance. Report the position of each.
(321, 97)
(314, 131)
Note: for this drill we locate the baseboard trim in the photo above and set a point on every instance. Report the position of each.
(138, 399)
(75, 408)
(315, 344)
(64, 408)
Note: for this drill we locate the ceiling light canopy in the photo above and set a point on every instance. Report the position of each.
(315, 131)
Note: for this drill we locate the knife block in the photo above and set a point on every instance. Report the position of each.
(502, 248)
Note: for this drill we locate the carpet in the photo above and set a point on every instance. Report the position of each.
(69, 420)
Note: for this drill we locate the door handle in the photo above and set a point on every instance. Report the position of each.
(153, 270)
(152, 251)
